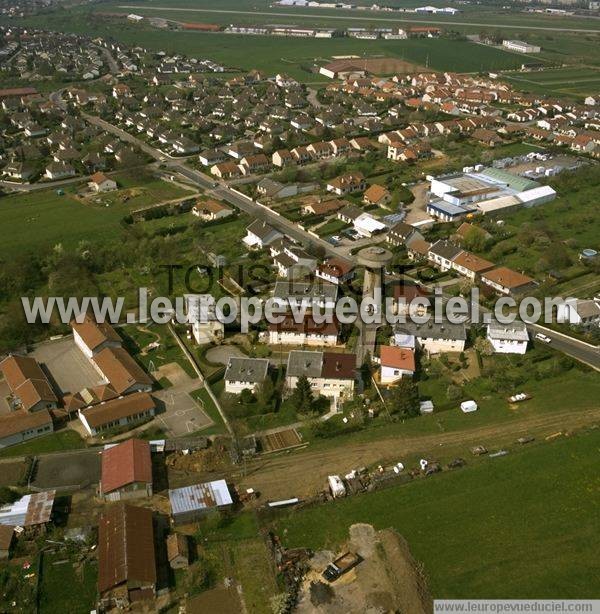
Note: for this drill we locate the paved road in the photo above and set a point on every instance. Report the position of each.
(394, 18)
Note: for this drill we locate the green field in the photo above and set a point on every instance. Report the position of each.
(519, 526)
(67, 586)
(55, 442)
(42, 218)
(559, 81)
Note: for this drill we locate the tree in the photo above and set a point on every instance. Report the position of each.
(7, 495)
(366, 370)
(453, 392)
(247, 397)
(302, 397)
(266, 392)
(405, 399)
(483, 346)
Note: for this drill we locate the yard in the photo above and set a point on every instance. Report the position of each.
(67, 585)
(488, 531)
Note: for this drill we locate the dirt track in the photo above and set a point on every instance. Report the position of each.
(303, 473)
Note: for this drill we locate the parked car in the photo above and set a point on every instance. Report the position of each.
(542, 337)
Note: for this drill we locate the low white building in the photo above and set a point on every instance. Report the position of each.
(580, 312)
(520, 46)
(435, 337)
(396, 363)
(508, 338)
(245, 374)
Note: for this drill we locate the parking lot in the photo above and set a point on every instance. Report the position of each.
(65, 364)
(79, 469)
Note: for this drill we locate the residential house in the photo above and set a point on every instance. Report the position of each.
(507, 281)
(330, 374)
(205, 326)
(396, 363)
(508, 338)
(99, 182)
(59, 170)
(377, 195)
(435, 337)
(211, 210)
(226, 170)
(260, 234)
(442, 253)
(347, 184)
(335, 271)
(306, 332)
(126, 471)
(282, 158)
(306, 295)
(255, 163)
(581, 312)
(273, 189)
(470, 265)
(401, 233)
(245, 374)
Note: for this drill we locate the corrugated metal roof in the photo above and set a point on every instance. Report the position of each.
(199, 497)
(28, 510)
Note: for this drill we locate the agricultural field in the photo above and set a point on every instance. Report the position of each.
(486, 531)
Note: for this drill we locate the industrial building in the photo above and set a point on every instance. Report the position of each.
(483, 191)
(520, 46)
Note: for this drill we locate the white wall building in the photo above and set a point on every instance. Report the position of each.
(508, 338)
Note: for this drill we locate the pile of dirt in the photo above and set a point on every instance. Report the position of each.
(214, 458)
(387, 579)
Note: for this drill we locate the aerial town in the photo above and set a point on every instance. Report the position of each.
(439, 173)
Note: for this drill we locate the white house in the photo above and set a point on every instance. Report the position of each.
(260, 234)
(396, 363)
(305, 295)
(329, 373)
(580, 312)
(435, 337)
(99, 182)
(307, 332)
(508, 338)
(202, 318)
(245, 374)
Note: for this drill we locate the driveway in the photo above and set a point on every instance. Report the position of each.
(222, 353)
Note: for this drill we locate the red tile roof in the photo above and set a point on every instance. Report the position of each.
(397, 358)
(126, 463)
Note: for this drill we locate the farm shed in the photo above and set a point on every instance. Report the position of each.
(190, 503)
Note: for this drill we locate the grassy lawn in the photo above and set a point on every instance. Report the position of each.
(64, 588)
(517, 526)
(41, 219)
(55, 442)
(133, 195)
(137, 337)
(331, 227)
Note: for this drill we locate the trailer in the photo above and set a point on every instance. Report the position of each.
(340, 566)
(336, 486)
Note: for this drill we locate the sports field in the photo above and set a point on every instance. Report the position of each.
(566, 81)
(516, 526)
